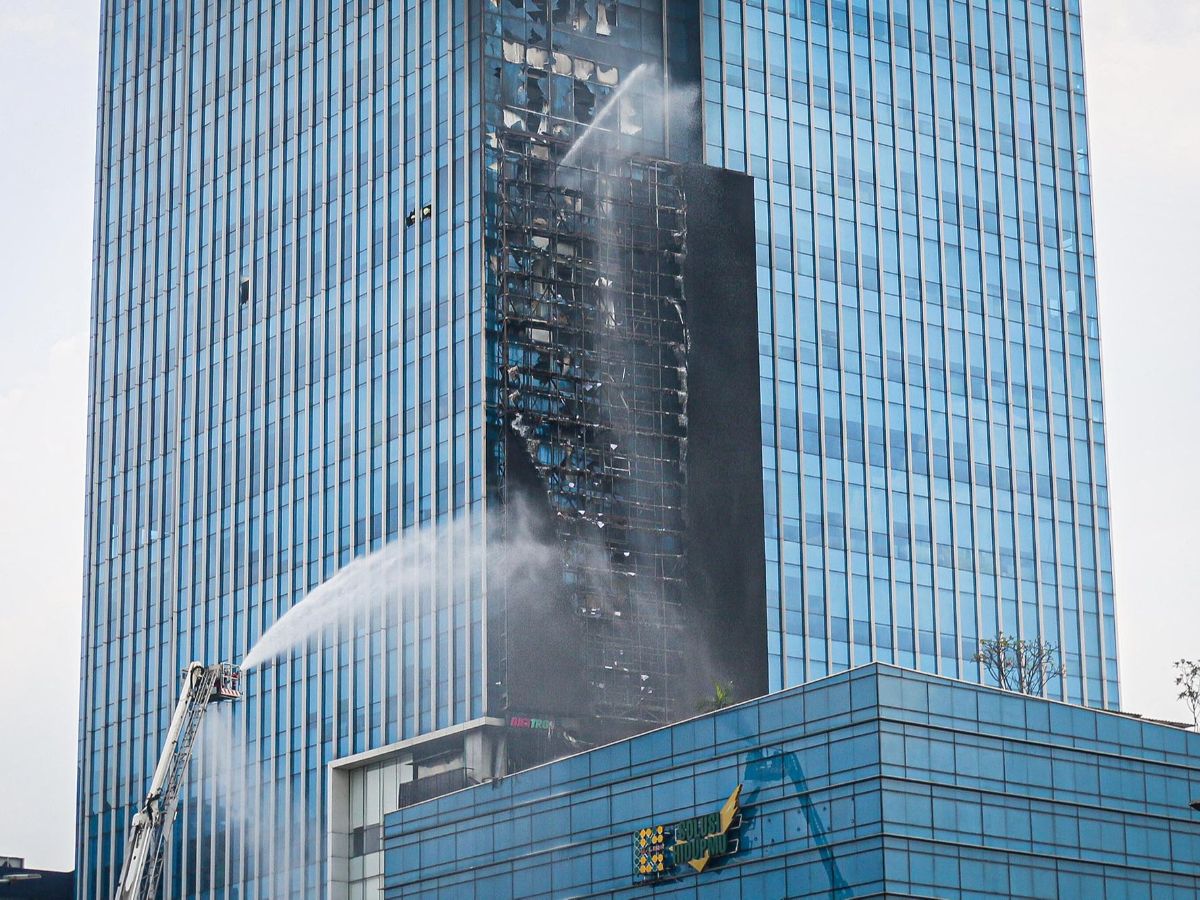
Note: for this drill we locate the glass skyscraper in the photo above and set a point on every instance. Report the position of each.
(932, 401)
(300, 316)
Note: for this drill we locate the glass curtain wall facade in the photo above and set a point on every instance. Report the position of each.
(291, 359)
(878, 782)
(287, 371)
(932, 404)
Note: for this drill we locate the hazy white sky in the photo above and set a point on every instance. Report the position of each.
(1143, 72)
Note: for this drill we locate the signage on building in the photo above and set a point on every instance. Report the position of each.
(527, 722)
(659, 851)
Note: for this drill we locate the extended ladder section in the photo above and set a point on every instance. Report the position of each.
(150, 829)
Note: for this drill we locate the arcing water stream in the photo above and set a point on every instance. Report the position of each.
(442, 562)
(606, 111)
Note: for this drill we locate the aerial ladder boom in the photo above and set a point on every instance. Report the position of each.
(150, 829)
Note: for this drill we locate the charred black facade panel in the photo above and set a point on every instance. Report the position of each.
(627, 405)
(726, 580)
(592, 397)
(593, 247)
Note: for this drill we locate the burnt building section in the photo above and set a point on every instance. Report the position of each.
(623, 385)
(625, 411)
(593, 349)
(553, 67)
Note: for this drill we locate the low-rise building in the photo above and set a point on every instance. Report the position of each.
(17, 882)
(875, 782)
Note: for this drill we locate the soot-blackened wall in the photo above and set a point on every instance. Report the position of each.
(630, 401)
(726, 577)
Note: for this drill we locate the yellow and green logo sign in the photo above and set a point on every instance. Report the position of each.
(659, 850)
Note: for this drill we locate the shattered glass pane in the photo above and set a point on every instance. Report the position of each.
(585, 102)
(585, 69)
(514, 52)
(536, 10)
(606, 18)
(584, 16)
(535, 92)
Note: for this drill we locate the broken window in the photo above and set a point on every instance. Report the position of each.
(514, 52)
(606, 17)
(535, 92)
(583, 16)
(585, 102)
(537, 57)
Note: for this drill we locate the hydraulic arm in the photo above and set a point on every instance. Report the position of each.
(150, 830)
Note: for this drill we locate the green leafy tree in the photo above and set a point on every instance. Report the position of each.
(721, 698)
(1187, 679)
(1020, 665)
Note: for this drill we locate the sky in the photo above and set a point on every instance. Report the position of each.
(1143, 66)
